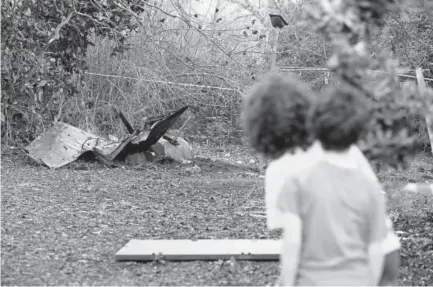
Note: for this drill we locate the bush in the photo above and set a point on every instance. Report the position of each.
(43, 48)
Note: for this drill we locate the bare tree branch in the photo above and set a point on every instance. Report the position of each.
(182, 12)
(60, 26)
(408, 34)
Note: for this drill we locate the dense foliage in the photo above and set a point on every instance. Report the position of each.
(44, 44)
(348, 25)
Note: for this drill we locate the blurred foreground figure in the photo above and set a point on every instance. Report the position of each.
(324, 195)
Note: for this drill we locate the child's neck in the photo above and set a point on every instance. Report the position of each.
(338, 157)
(335, 151)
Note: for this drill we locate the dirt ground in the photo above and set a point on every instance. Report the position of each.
(63, 227)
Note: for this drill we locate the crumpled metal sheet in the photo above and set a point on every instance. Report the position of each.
(64, 143)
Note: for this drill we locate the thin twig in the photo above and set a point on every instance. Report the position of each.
(159, 9)
(181, 129)
(127, 9)
(410, 36)
(181, 11)
(60, 26)
(98, 22)
(423, 93)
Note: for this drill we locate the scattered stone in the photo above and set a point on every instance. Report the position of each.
(193, 170)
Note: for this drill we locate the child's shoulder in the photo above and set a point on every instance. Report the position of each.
(293, 163)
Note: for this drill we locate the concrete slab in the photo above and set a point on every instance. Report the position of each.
(184, 250)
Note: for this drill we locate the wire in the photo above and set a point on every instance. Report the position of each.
(327, 69)
(165, 82)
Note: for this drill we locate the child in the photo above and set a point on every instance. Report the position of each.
(334, 215)
(391, 244)
(288, 101)
(275, 115)
(338, 121)
(275, 119)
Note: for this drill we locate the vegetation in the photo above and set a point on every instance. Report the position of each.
(44, 44)
(72, 61)
(348, 27)
(163, 55)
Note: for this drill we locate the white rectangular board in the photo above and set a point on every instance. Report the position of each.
(209, 249)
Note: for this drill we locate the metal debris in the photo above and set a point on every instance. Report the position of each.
(64, 143)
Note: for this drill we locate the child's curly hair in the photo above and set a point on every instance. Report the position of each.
(275, 115)
(340, 117)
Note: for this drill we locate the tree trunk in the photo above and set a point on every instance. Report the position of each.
(423, 93)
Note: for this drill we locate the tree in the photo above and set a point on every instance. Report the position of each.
(348, 26)
(43, 48)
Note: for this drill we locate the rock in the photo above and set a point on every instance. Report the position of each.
(113, 138)
(179, 153)
(193, 170)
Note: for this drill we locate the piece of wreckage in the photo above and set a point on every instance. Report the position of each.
(64, 143)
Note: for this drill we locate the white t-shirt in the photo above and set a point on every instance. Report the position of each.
(294, 165)
(276, 173)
